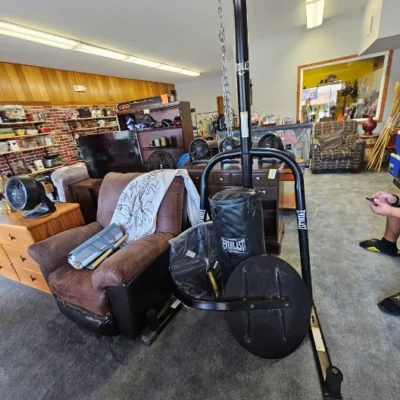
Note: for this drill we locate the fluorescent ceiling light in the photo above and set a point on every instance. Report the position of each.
(98, 51)
(68, 44)
(178, 70)
(36, 36)
(188, 72)
(142, 61)
(315, 13)
(169, 68)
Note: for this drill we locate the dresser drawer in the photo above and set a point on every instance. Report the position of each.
(267, 192)
(3, 255)
(221, 178)
(7, 270)
(261, 179)
(371, 142)
(32, 278)
(20, 257)
(12, 236)
(196, 179)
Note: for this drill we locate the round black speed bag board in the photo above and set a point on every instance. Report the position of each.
(268, 333)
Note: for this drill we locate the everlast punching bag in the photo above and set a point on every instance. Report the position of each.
(239, 226)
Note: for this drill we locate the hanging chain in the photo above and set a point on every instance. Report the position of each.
(226, 95)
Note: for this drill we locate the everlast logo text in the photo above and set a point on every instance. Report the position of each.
(234, 245)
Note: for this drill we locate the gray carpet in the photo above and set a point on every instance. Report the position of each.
(45, 356)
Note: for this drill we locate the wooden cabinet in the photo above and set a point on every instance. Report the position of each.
(18, 233)
(370, 141)
(7, 270)
(20, 256)
(269, 185)
(179, 137)
(86, 194)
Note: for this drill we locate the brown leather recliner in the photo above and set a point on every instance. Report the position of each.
(115, 297)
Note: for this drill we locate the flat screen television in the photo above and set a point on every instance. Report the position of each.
(111, 152)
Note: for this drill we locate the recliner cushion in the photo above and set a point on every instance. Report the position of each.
(342, 153)
(76, 287)
(331, 140)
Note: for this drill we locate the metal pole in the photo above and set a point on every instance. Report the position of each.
(243, 86)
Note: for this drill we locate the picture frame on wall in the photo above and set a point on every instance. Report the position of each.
(346, 88)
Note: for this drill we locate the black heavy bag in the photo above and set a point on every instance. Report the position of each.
(239, 226)
(193, 254)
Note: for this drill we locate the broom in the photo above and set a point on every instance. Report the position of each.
(378, 152)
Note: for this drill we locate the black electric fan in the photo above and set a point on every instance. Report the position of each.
(273, 141)
(160, 160)
(270, 141)
(229, 143)
(26, 194)
(265, 296)
(200, 152)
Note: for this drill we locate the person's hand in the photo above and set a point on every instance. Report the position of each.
(380, 208)
(385, 197)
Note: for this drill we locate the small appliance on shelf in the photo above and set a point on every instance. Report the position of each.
(52, 161)
(12, 113)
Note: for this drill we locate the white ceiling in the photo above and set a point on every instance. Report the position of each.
(178, 32)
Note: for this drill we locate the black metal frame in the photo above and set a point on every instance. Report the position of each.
(330, 377)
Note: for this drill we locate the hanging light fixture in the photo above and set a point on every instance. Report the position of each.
(315, 13)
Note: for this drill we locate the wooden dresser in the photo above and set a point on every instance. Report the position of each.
(18, 233)
(266, 180)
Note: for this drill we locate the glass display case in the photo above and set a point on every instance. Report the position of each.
(298, 136)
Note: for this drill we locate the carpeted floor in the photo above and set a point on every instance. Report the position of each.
(44, 356)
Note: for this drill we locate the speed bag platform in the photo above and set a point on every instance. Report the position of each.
(269, 333)
(239, 226)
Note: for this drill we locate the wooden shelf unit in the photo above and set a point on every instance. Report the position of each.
(93, 128)
(24, 136)
(23, 150)
(161, 147)
(21, 123)
(157, 107)
(43, 171)
(179, 137)
(166, 128)
(90, 118)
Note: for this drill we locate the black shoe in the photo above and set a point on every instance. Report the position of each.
(375, 245)
(391, 304)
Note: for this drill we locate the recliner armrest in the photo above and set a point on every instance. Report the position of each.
(359, 144)
(130, 260)
(316, 143)
(53, 252)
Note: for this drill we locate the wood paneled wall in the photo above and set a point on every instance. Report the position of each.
(24, 84)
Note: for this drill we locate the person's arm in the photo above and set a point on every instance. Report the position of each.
(395, 212)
